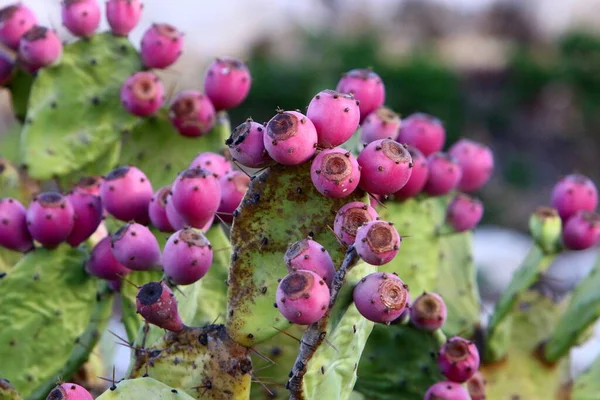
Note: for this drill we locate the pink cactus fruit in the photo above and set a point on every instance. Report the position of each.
(40, 47)
(227, 82)
(88, 216)
(196, 196)
(15, 20)
(424, 132)
(366, 87)
(142, 94)
(291, 138)
(428, 312)
(476, 386)
(187, 256)
(175, 220)
(464, 212)
(377, 242)
(418, 175)
(134, 246)
(335, 116)
(446, 390)
(162, 44)
(126, 193)
(192, 113)
(335, 173)
(302, 297)
(349, 218)
(157, 210)
(7, 66)
(69, 391)
(123, 15)
(386, 166)
(458, 359)
(13, 226)
(382, 123)
(213, 162)
(574, 193)
(380, 297)
(581, 231)
(234, 186)
(89, 185)
(309, 255)
(476, 162)
(158, 305)
(246, 145)
(50, 218)
(444, 174)
(103, 264)
(81, 17)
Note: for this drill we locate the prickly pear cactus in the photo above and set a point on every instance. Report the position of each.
(143, 389)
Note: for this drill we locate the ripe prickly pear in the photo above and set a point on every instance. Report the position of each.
(157, 210)
(13, 226)
(89, 184)
(134, 246)
(69, 391)
(382, 123)
(335, 116)
(158, 305)
(187, 256)
(196, 195)
(162, 44)
(246, 145)
(15, 20)
(126, 193)
(349, 218)
(424, 132)
(213, 162)
(366, 87)
(142, 94)
(444, 174)
(581, 231)
(88, 216)
(464, 212)
(50, 218)
(476, 386)
(476, 162)
(175, 220)
(380, 297)
(302, 297)
(458, 359)
(446, 390)
(428, 312)
(40, 47)
(123, 15)
(103, 264)
(308, 255)
(81, 17)
(573, 193)
(227, 83)
(234, 186)
(192, 113)
(377, 242)
(291, 138)
(335, 173)
(6, 67)
(418, 175)
(386, 166)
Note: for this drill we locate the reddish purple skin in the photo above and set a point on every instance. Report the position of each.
(6, 68)
(196, 196)
(349, 217)
(290, 138)
(115, 285)
(292, 301)
(386, 166)
(378, 252)
(103, 264)
(246, 145)
(334, 179)
(69, 391)
(213, 162)
(382, 123)
(234, 186)
(162, 44)
(581, 231)
(444, 174)
(418, 176)
(81, 17)
(126, 193)
(424, 132)
(192, 113)
(464, 212)
(428, 312)
(142, 94)
(40, 47)
(366, 87)
(476, 161)
(88, 216)
(175, 220)
(123, 15)
(335, 116)
(308, 255)
(15, 20)
(134, 246)
(187, 256)
(380, 297)
(157, 210)
(458, 366)
(158, 305)
(89, 185)
(446, 390)
(50, 219)
(227, 83)
(573, 193)
(13, 226)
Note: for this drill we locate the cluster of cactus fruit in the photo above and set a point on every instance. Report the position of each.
(346, 225)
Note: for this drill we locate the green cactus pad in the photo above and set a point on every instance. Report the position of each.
(281, 206)
(103, 165)
(143, 389)
(47, 301)
(587, 385)
(204, 362)
(13, 184)
(74, 112)
(9, 143)
(20, 88)
(8, 391)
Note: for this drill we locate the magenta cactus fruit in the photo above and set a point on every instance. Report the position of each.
(50, 218)
(428, 312)
(380, 297)
(162, 44)
(424, 132)
(291, 138)
(458, 359)
(366, 87)
(246, 145)
(335, 116)
(175, 220)
(40, 47)
(574, 193)
(349, 218)
(227, 82)
(234, 186)
(187, 256)
(88, 216)
(418, 175)
(386, 166)
(13, 226)
(212, 162)
(444, 174)
(134, 246)
(126, 193)
(69, 391)
(123, 15)
(302, 297)
(142, 94)
(581, 231)
(446, 390)
(382, 123)
(103, 264)
(377, 242)
(89, 185)
(196, 195)
(81, 17)
(476, 162)
(158, 305)
(464, 212)
(192, 113)
(308, 255)
(335, 173)
(157, 210)
(15, 20)
(476, 386)
(6, 67)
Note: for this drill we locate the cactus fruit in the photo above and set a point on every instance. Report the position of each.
(13, 226)
(89, 185)
(302, 297)
(234, 185)
(291, 138)
(349, 218)
(581, 231)
(335, 116)
(386, 166)
(162, 44)
(103, 264)
(444, 174)
(418, 175)
(213, 162)
(464, 212)
(377, 242)
(476, 162)
(187, 256)
(476, 386)
(196, 196)
(126, 193)
(40, 47)
(157, 210)
(380, 297)
(545, 227)
(335, 173)
(246, 145)
(50, 218)
(69, 391)
(458, 359)
(447, 390)
(192, 113)
(15, 20)
(123, 15)
(134, 246)
(142, 94)
(424, 132)
(158, 305)
(366, 87)
(428, 312)
(175, 220)
(227, 83)
(81, 17)
(573, 193)
(7, 67)
(382, 123)
(308, 255)
(88, 216)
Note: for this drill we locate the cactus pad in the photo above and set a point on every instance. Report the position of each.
(8, 391)
(143, 389)
(587, 385)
